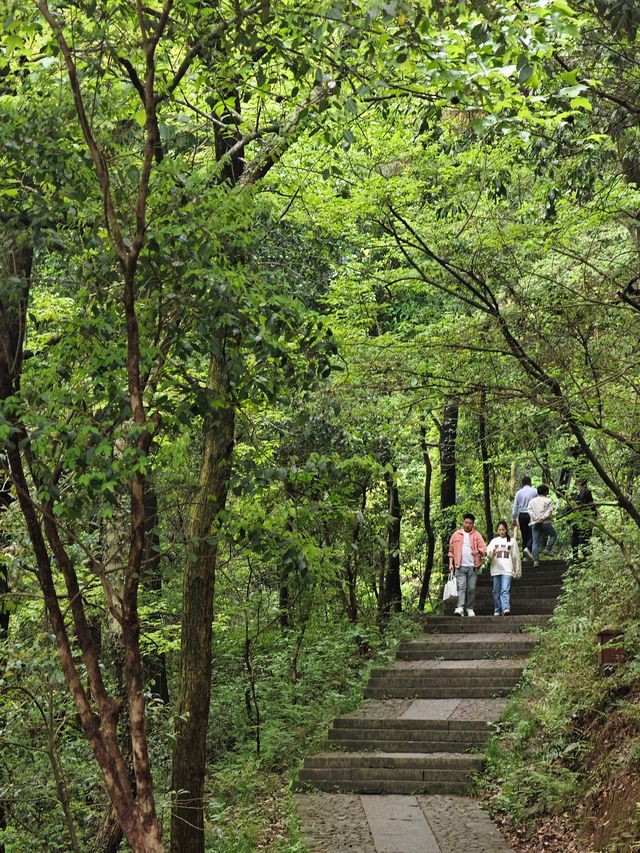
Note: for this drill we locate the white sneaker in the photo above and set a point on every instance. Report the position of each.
(471, 613)
(536, 563)
(459, 611)
(496, 612)
(528, 554)
(547, 551)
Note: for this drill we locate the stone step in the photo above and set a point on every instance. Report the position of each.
(481, 630)
(391, 772)
(423, 746)
(526, 589)
(441, 726)
(484, 607)
(381, 786)
(393, 761)
(410, 735)
(424, 689)
(471, 651)
(401, 774)
(425, 681)
(484, 623)
(488, 691)
(411, 754)
(440, 670)
(467, 646)
(407, 740)
(486, 594)
(531, 578)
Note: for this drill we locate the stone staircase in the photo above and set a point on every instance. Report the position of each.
(425, 719)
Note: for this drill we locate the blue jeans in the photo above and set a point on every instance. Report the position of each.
(467, 577)
(501, 592)
(538, 530)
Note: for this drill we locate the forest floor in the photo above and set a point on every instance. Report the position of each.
(605, 816)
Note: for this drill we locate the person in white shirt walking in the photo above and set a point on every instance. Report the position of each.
(540, 511)
(504, 556)
(520, 516)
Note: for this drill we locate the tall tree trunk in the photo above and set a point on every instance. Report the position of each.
(448, 436)
(283, 584)
(426, 516)
(155, 662)
(486, 466)
(393, 592)
(15, 267)
(350, 599)
(5, 501)
(192, 713)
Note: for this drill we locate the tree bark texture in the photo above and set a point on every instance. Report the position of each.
(486, 465)
(5, 501)
(448, 436)
(393, 592)
(154, 663)
(428, 525)
(192, 712)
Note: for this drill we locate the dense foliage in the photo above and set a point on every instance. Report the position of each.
(284, 288)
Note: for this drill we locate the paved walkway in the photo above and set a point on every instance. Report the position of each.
(370, 823)
(405, 757)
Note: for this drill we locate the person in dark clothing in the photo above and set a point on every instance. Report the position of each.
(585, 513)
(520, 516)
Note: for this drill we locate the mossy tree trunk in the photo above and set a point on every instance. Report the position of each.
(192, 712)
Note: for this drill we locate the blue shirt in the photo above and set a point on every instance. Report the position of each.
(521, 500)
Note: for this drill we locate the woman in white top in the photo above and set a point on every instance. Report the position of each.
(504, 557)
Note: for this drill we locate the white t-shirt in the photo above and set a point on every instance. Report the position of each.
(504, 555)
(467, 556)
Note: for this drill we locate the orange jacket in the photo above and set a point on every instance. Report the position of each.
(477, 544)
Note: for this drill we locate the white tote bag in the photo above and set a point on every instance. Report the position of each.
(450, 589)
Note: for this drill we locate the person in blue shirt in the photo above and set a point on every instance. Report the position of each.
(520, 516)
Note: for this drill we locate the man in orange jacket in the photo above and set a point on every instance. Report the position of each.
(466, 549)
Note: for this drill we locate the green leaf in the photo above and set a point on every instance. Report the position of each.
(581, 103)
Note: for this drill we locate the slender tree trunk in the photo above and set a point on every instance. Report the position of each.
(448, 436)
(58, 774)
(15, 265)
(428, 525)
(350, 599)
(192, 713)
(283, 598)
(486, 466)
(283, 585)
(393, 592)
(380, 591)
(155, 662)
(5, 501)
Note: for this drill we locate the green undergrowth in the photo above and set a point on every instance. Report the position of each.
(569, 741)
(250, 802)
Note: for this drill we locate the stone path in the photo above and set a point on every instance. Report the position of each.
(337, 823)
(391, 778)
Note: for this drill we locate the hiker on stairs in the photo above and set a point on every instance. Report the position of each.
(466, 549)
(504, 556)
(520, 516)
(540, 511)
